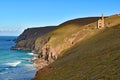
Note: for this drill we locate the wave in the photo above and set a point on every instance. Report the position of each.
(13, 63)
(30, 53)
(27, 59)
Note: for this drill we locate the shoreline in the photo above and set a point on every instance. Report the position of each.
(39, 63)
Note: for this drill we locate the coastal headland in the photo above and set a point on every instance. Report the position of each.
(77, 49)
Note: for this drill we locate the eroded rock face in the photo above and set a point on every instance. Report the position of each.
(49, 53)
(27, 39)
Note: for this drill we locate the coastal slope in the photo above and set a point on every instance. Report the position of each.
(75, 49)
(83, 51)
(64, 36)
(26, 40)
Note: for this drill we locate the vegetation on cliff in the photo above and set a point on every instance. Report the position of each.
(85, 52)
(64, 36)
(27, 39)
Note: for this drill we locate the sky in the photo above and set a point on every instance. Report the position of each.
(17, 15)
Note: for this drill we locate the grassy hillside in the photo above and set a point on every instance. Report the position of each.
(69, 33)
(93, 57)
(66, 33)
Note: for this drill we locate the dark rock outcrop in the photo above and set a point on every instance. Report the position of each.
(26, 40)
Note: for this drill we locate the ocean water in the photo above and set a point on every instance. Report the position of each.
(15, 64)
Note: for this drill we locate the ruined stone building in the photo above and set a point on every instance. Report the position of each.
(101, 22)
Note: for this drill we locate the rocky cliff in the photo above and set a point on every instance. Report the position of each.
(79, 50)
(26, 40)
(83, 51)
(63, 37)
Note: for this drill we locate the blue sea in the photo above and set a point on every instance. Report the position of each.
(15, 64)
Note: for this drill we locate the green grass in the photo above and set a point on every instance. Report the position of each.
(65, 30)
(97, 57)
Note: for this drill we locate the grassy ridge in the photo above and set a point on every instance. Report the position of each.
(96, 57)
(61, 38)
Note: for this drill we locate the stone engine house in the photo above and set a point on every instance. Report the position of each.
(101, 22)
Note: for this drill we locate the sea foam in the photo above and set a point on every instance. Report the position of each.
(30, 53)
(13, 63)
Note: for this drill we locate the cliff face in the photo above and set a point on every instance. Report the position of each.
(63, 37)
(81, 49)
(27, 39)
(84, 52)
